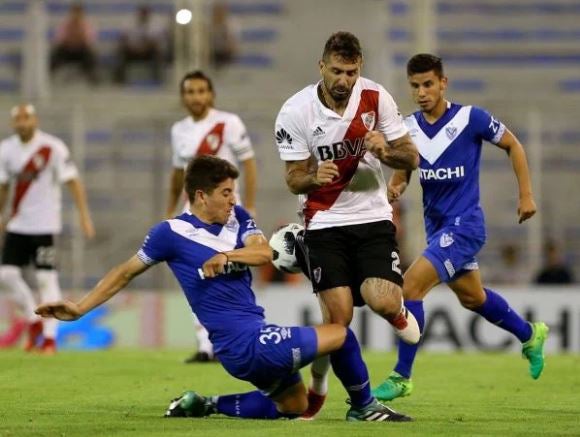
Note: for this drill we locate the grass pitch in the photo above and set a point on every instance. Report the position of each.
(125, 393)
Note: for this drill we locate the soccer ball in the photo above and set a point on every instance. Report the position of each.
(283, 244)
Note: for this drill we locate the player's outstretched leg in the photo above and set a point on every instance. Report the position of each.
(398, 383)
(533, 349)
(318, 387)
(251, 405)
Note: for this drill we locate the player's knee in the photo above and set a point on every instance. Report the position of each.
(382, 296)
(471, 301)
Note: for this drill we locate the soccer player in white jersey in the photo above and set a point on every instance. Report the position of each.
(449, 137)
(333, 136)
(35, 164)
(208, 131)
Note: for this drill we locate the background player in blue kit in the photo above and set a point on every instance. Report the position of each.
(449, 138)
(209, 250)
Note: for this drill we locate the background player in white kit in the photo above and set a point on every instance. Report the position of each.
(208, 131)
(333, 136)
(35, 164)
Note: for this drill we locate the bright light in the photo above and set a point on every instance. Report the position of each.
(183, 16)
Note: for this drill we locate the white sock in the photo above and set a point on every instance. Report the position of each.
(49, 292)
(319, 373)
(202, 336)
(11, 277)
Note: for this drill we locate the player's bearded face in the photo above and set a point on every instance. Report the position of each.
(427, 89)
(220, 202)
(197, 97)
(339, 76)
(24, 124)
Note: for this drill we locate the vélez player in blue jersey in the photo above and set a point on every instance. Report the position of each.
(449, 137)
(209, 250)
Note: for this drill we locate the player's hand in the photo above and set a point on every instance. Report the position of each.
(61, 310)
(376, 144)
(88, 228)
(395, 191)
(526, 208)
(327, 171)
(215, 265)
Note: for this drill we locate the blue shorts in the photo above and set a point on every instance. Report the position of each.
(452, 250)
(273, 356)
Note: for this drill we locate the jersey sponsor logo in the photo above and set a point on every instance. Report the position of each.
(446, 240)
(342, 149)
(451, 131)
(284, 139)
(441, 174)
(368, 119)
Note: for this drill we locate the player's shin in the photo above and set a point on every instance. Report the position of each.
(351, 370)
(406, 351)
(49, 292)
(496, 310)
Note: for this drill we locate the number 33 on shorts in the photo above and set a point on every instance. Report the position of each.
(274, 334)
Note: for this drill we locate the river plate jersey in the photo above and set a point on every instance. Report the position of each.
(225, 305)
(450, 151)
(36, 170)
(306, 129)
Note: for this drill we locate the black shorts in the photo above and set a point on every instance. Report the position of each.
(21, 250)
(347, 255)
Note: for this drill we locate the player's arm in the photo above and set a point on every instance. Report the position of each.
(250, 171)
(111, 284)
(400, 153)
(79, 195)
(526, 205)
(398, 183)
(256, 252)
(305, 176)
(175, 190)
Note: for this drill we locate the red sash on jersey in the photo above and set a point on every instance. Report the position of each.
(37, 162)
(324, 197)
(212, 142)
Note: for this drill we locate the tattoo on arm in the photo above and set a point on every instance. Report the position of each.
(401, 154)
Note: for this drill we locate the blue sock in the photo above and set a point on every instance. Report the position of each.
(407, 352)
(350, 368)
(496, 310)
(251, 405)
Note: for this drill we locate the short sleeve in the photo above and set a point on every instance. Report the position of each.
(238, 140)
(247, 224)
(486, 125)
(391, 122)
(4, 174)
(65, 167)
(290, 135)
(157, 246)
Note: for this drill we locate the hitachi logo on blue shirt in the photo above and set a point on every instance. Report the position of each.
(441, 174)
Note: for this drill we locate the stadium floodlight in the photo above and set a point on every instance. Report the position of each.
(183, 16)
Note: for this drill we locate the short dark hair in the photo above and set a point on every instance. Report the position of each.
(343, 44)
(205, 173)
(197, 74)
(423, 63)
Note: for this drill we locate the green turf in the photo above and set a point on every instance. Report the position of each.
(124, 393)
